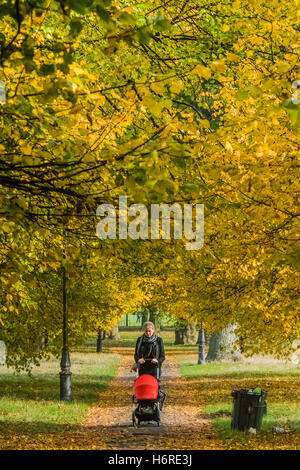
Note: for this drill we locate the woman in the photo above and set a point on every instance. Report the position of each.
(149, 346)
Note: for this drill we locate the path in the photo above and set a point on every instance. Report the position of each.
(183, 427)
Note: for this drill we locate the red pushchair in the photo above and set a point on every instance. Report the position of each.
(148, 398)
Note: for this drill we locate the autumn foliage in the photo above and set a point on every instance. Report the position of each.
(181, 101)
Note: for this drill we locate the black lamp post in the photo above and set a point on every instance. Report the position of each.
(201, 345)
(99, 341)
(65, 363)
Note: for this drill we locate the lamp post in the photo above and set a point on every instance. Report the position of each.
(201, 345)
(99, 341)
(65, 363)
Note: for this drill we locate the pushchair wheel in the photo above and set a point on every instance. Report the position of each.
(158, 415)
(133, 420)
(162, 399)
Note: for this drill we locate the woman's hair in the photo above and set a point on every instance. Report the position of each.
(148, 323)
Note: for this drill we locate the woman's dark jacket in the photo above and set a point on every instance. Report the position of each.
(148, 350)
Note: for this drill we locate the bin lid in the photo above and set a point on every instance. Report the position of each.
(257, 391)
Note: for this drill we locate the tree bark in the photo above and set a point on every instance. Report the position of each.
(222, 346)
(186, 334)
(154, 319)
(99, 341)
(201, 345)
(2, 353)
(46, 339)
(144, 315)
(179, 336)
(114, 333)
(191, 334)
(152, 315)
(295, 355)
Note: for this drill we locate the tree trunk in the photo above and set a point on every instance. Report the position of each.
(144, 318)
(179, 336)
(222, 346)
(99, 341)
(46, 339)
(153, 318)
(191, 334)
(201, 345)
(186, 334)
(295, 355)
(152, 315)
(2, 353)
(214, 344)
(114, 333)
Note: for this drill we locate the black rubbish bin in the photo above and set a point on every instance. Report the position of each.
(248, 409)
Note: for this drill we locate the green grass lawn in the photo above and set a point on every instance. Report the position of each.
(32, 402)
(250, 367)
(215, 381)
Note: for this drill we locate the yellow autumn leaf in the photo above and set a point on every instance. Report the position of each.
(218, 66)
(205, 123)
(292, 58)
(232, 57)
(228, 147)
(202, 71)
(158, 87)
(176, 86)
(152, 106)
(256, 40)
(283, 67)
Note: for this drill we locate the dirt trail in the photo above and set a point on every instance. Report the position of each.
(182, 425)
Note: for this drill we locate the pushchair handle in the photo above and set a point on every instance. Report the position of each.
(149, 360)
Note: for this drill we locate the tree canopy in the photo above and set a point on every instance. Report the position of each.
(163, 101)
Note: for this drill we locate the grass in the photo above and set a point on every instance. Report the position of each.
(284, 415)
(215, 381)
(128, 339)
(253, 367)
(32, 402)
(30, 406)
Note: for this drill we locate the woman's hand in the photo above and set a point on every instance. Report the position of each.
(154, 361)
(141, 361)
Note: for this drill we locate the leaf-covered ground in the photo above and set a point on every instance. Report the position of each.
(112, 415)
(31, 415)
(108, 422)
(196, 414)
(214, 382)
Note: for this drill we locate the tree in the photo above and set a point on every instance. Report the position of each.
(224, 345)
(186, 333)
(114, 333)
(2, 353)
(182, 101)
